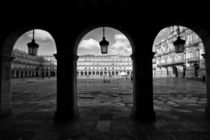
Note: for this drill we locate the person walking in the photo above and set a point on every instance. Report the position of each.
(132, 77)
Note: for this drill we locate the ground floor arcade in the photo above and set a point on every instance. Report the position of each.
(104, 73)
(193, 70)
(31, 73)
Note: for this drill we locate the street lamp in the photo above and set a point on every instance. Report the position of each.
(179, 43)
(33, 47)
(104, 44)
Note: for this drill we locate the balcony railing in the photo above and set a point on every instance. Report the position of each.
(192, 59)
(178, 59)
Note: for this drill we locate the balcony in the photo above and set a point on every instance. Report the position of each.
(193, 43)
(174, 60)
(193, 59)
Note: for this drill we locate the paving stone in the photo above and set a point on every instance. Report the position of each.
(79, 136)
(103, 126)
(179, 116)
(127, 137)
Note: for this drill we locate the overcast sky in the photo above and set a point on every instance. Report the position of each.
(43, 38)
(118, 43)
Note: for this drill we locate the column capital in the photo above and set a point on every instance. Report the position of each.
(76, 57)
(7, 58)
(132, 56)
(206, 56)
(56, 56)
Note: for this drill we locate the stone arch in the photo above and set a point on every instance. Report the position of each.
(88, 29)
(205, 38)
(83, 33)
(200, 31)
(6, 59)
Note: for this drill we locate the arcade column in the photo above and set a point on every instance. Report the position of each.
(207, 62)
(66, 88)
(5, 93)
(143, 88)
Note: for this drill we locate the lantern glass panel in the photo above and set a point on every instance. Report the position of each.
(103, 49)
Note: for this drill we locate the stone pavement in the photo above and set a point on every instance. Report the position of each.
(168, 93)
(170, 125)
(179, 106)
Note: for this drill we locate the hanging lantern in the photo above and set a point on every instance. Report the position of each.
(33, 47)
(104, 44)
(179, 43)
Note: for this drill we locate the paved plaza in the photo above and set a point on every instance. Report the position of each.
(105, 111)
(40, 94)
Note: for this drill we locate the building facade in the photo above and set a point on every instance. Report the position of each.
(186, 64)
(25, 65)
(113, 66)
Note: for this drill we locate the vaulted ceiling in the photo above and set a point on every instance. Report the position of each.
(100, 7)
(142, 11)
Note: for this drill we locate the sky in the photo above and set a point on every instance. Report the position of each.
(118, 42)
(89, 44)
(43, 38)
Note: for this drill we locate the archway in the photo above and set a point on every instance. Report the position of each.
(105, 65)
(182, 70)
(25, 64)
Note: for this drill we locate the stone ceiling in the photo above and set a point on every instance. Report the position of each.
(59, 7)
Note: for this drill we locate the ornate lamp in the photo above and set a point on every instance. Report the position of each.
(33, 46)
(104, 44)
(179, 43)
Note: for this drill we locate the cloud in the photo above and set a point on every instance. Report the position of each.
(40, 35)
(120, 37)
(121, 45)
(89, 46)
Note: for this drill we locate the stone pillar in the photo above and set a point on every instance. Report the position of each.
(25, 74)
(143, 88)
(18, 74)
(5, 93)
(207, 64)
(66, 88)
(14, 74)
(22, 74)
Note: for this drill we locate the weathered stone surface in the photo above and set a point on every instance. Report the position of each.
(179, 115)
(103, 126)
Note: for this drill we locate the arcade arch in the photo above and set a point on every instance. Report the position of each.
(6, 63)
(177, 67)
(16, 63)
(91, 64)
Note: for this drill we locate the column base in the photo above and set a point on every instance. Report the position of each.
(144, 116)
(63, 116)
